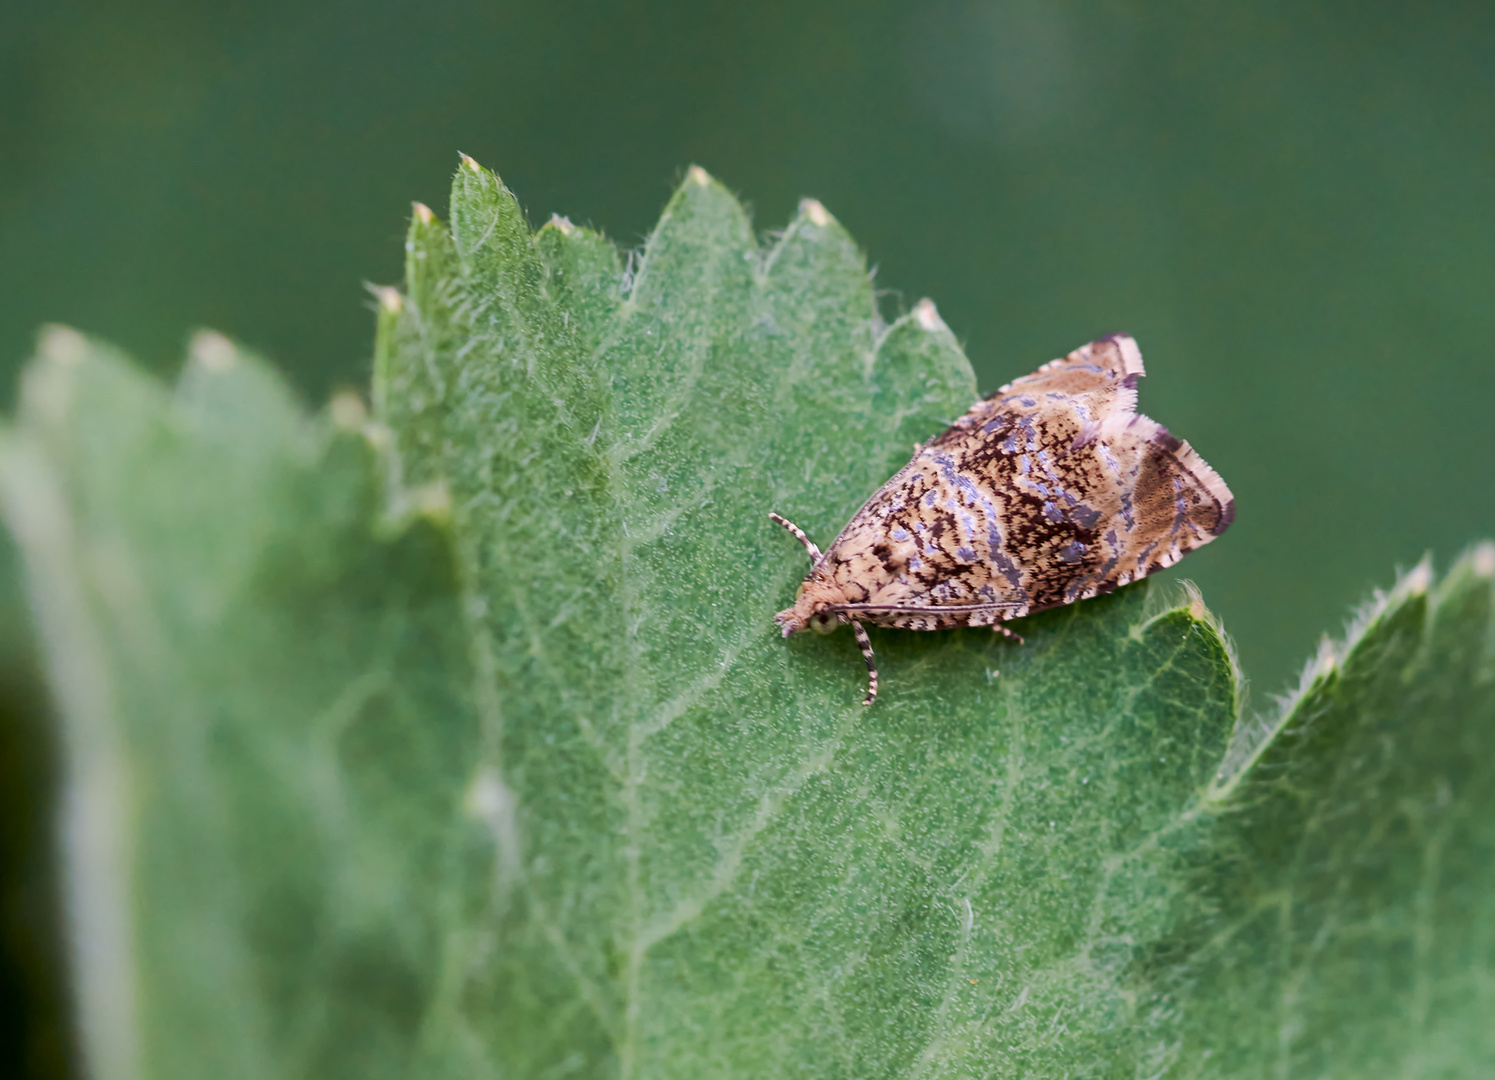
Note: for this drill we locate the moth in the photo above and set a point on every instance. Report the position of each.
(1053, 489)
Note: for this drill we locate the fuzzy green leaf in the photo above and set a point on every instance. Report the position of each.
(265, 720)
(1342, 920)
(460, 742)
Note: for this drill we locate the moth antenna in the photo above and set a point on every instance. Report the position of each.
(799, 534)
(866, 643)
(998, 628)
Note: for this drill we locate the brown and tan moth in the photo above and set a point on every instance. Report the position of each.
(1054, 489)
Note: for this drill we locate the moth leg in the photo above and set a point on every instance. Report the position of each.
(998, 628)
(799, 534)
(866, 643)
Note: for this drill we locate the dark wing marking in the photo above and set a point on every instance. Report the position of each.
(1178, 492)
(1172, 502)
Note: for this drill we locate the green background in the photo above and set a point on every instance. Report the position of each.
(1292, 206)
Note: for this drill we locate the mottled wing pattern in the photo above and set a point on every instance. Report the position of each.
(1052, 490)
(1101, 376)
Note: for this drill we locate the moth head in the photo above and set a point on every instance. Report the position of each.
(812, 610)
(797, 618)
(810, 614)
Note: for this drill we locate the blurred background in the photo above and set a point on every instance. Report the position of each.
(1291, 205)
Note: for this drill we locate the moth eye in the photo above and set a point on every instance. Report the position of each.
(822, 622)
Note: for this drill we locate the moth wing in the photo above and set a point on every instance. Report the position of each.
(1177, 502)
(1052, 491)
(1104, 373)
(925, 616)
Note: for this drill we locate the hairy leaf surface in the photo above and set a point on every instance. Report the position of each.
(459, 741)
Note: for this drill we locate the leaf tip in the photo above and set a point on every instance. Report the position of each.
(698, 176)
(928, 317)
(1482, 559)
(212, 352)
(1320, 666)
(1409, 586)
(815, 210)
(421, 212)
(347, 411)
(1416, 581)
(469, 162)
(562, 224)
(390, 300)
(62, 345)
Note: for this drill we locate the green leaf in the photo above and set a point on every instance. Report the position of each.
(1342, 920)
(460, 742)
(265, 720)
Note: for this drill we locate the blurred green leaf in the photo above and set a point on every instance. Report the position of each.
(1341, 921)
(460, 742)
(264, 720)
